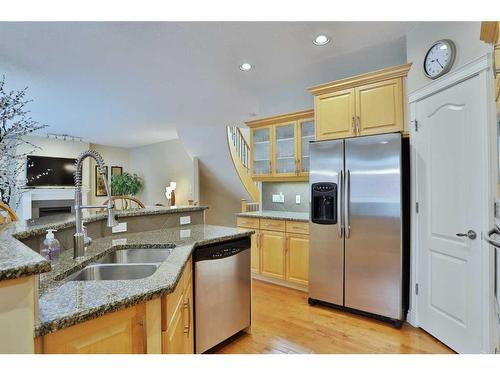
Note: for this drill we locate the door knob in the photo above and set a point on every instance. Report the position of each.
(471, 234)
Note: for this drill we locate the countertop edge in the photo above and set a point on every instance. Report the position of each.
(253, 214)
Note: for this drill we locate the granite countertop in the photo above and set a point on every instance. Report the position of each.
(65, 303)
(281, 215)
(18, 260)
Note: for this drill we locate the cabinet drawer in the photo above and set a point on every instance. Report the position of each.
(297, 227)
(247, 222)
(269, 224)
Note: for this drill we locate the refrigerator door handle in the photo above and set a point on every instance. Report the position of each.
(347, 204)
(340, 205)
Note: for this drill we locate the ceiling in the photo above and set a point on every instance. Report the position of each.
(133, 83)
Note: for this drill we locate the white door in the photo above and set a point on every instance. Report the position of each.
(449, 184)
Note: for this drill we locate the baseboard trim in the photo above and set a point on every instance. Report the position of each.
(286, 284)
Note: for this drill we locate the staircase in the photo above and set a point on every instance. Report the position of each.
(240, 155)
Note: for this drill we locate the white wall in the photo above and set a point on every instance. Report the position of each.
(418, 41)
(159, 164)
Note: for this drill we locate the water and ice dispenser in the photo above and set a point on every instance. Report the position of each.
(324, 203)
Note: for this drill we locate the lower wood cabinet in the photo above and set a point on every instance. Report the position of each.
(162, 325)
(297, 258)
(280, 250)
(272, 245)
(255, 252)
(177, 314)
(121, 332)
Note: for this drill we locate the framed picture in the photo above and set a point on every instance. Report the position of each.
(115, 171)
(100, 189)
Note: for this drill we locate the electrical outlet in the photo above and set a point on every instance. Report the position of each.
(185, 220)
(297, 199)
(119, 228)
(278, 198)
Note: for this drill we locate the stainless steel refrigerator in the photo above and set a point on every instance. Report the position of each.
(356, 231)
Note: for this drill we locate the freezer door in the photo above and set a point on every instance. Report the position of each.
(373, 256)
(326, 255)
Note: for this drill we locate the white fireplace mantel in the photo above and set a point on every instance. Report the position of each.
(46, 194)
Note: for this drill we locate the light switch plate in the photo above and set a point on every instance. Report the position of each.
(185, 220)
(121, 227)
(297, 199)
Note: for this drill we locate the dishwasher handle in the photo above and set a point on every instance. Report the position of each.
(221, 250)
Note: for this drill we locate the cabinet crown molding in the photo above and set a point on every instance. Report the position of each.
(362, 79)
(294, 116)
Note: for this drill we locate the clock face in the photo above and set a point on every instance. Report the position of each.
(439, 59)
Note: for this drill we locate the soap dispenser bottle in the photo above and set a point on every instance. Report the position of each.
(51, 248)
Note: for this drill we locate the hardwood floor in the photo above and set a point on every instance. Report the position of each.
(283, 322)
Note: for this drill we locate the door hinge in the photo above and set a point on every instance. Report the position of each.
(416, 125)
(416, 207)
(416, 289)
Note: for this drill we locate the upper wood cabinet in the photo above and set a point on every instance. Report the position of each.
(372, 103)
(279, 146)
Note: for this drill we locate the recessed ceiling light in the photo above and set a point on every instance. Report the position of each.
(321, 40)
(246, 67)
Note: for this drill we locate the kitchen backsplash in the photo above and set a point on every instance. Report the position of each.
(290, 190)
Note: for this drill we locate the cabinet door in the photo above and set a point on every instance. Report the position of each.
(379, 107)
(285, 150)
(297, 258)
(175, 336)
(260, 147)
(121, 332)
(305, 135)
(335, 115)
(188, 318)
(273, 254)
(255, 253)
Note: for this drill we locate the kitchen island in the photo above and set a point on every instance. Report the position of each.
(146, 315)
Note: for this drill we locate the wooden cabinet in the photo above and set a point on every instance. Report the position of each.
(335, 114)
(273, 253)
(177, 316)
(297, 258)
(255, 252)
(279, 146)
(280, 250)
(372, 103)
(261, 151)
(121, 332)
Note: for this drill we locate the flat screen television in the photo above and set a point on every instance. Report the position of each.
(48, 171)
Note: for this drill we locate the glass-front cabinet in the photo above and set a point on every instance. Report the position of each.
(306, 131)
(285, 150)
(261, 151)
(280, 146)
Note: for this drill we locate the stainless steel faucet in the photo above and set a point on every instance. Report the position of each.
(79, 238)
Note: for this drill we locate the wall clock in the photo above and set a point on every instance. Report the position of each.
(439, 58)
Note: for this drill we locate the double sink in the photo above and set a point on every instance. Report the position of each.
(124, 264)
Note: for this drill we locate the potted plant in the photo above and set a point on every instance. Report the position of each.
(127, 185)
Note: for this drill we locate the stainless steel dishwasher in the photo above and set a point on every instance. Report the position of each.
(222, 291)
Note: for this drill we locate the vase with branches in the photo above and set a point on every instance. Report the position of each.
(15, 124)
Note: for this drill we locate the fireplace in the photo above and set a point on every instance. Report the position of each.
(48, 211)
(44, 208)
